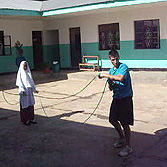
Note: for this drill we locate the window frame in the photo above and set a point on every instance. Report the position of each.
(106, 32)
(151, 38)
(5, 46)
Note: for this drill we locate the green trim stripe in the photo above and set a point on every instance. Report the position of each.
(19, 12)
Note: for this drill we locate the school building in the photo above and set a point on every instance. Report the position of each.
(65, 30)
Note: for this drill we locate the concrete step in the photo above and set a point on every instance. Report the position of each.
(149, 77)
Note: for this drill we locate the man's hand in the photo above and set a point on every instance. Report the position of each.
(103, 75)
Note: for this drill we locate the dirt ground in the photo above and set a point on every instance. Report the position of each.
(60, 139)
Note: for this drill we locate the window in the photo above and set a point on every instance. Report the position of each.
(147, 34)
(109, 36)
(5, 44)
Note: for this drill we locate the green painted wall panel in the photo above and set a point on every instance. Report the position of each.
(50, 54)
(134, 57)
(143, 58)
(127, 51)
(139, 58)
(65, 58)
(7, 63)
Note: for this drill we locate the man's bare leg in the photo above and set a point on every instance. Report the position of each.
(118, 128)
(127, 133)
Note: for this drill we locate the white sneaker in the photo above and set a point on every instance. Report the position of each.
(119, 143)
(126, 151)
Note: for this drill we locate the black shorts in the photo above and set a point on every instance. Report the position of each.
(122, 110)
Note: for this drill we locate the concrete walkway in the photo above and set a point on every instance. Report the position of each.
(60, 139)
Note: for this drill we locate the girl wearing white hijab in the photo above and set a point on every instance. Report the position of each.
(26, 88)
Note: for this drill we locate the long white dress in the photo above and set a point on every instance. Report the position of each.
(26, 85)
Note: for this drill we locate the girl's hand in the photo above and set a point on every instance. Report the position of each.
(24, 93)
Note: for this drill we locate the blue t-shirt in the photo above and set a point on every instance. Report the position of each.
(124, 88)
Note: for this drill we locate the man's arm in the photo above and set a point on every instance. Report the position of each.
(119, 77)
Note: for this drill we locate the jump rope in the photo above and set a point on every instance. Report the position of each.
(40, 97)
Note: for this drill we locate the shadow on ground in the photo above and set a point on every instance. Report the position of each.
(55, 142)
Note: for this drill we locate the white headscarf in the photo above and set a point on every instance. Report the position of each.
(24, 77)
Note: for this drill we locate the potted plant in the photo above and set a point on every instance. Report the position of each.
(19, 53)
(19, 50)
(45, 67)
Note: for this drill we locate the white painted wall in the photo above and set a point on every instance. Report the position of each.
(49, 37)
(124, 15)
(20, 29)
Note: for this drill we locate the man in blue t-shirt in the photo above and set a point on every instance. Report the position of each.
(121, 110)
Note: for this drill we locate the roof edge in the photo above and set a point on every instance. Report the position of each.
(103, 5)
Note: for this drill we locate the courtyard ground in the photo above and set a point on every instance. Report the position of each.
(61, 139)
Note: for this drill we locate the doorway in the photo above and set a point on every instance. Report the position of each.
(37, 49)
(75, 46)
